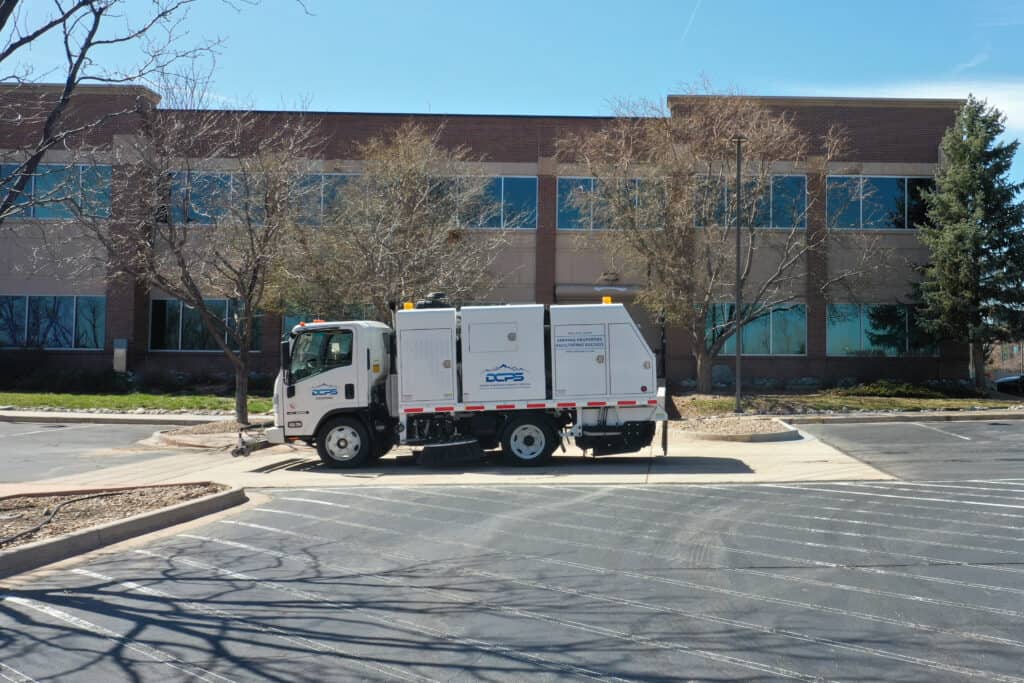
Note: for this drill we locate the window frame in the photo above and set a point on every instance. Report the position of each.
(74, 323)
(28, 212)
(869, 353)
(862, 178)
(771, 334)
(558, 211)
(181, 317)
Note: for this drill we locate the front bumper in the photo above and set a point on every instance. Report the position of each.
(274, 434)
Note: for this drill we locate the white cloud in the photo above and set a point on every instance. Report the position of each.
(976, 60)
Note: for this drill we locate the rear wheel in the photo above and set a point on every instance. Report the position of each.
(343, 442)
(528, 440)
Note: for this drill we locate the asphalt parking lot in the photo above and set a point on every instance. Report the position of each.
(890, 581)
(932, 450)
(32, 450)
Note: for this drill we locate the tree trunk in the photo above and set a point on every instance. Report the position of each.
(703, 371)
(242, 393)
(977, 367)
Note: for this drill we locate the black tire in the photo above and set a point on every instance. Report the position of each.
(528, 440)
(344, 443)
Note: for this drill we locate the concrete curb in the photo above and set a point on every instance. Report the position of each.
(34, 555)
(108, 418)
(957, 416)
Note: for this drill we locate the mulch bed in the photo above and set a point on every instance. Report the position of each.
(19, 515)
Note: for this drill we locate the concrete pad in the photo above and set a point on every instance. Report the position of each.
(688, 461)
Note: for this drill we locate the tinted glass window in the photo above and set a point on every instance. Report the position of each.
(843, 329)
(757, 337)
(164, 324)
(789, 330)
(709, 202)
(308, 197)
(490, 211)
(843, 201)
(90, 322)
(7, 172)
(719, 315)
(12, 320)
(885, 329)
(915, 204)
(789, 201)
(96, 182)
(56, 190)
(334, 187)
(520, 203)
(51, 321)
(199, 197)
(569, 215)
(884, 202)
(194, 335)
(249, 198)
(234, 310)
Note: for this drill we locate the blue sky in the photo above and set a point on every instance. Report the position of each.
(574, 57)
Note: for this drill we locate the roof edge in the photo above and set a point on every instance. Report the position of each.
(810, 101)
(87, 88)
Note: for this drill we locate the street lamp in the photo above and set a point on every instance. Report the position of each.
(739, 140)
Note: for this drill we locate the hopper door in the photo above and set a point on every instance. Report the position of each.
(631, 363)
(580, 360)
(427, 366)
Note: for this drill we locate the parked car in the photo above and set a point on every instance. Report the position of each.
(1014, 384)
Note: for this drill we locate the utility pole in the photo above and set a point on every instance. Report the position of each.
(739, 140)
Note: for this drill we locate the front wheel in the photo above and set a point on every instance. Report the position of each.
(528, 440)
(343, 442)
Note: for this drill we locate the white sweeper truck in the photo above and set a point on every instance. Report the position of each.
(455, 382)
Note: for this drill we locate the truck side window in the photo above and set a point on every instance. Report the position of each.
(316, 352)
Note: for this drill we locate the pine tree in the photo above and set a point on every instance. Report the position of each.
(971, 289)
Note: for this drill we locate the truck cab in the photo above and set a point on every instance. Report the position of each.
(335, 373)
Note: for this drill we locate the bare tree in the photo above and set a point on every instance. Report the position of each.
(207, 202)
(664, 189)
(86, 31)
(400, 228)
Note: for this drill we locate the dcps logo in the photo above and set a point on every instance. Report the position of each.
(504, 374)
(324, 391)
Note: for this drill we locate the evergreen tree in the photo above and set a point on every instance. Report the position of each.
(971, 289)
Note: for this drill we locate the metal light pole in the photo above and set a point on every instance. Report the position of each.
(739, 140)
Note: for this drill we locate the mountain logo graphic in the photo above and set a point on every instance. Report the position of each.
(504, 374)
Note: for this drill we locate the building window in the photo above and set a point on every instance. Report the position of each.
(61, 191)
(201, 198)
(570, 215)
(784, 205)
(782, 331)
(508, 202)
(876, 202)
(174, 326)
(53, 322)
(876, 330)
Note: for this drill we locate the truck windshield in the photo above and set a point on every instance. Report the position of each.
(316, 352)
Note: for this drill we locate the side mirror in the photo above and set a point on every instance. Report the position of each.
(286, 357)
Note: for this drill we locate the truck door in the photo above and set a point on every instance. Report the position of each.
(426, 365)
(580, 352)
(631, 363)
(325, 377)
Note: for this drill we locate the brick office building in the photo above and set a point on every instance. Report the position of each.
(894, 148)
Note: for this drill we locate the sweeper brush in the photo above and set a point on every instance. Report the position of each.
(451, 453)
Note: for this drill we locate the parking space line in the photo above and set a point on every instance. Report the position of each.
(884, 495)
(598, 597)
(9, 673)
(910, 486)
(940, 431)
(49, 430)
(143, 649)
(306, 643)
(652, 578)
(392, 620)
(957, 487)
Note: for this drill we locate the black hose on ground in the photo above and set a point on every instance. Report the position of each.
(37, 527)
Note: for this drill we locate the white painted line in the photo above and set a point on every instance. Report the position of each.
(9, 673)
(882, 495)
(452, 566)
(391, 621)
(940, 431)
(545, 559)
(316, 646)
(909, 486)
(51, 430)
(91, 628)
(957, 487)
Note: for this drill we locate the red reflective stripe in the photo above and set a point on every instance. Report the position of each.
(474, 407)
(414, 410)
(566, 405)
(596, 403)
(505, 406)
(652, 401)
(627, 403)
(536, 405)
(443, 409)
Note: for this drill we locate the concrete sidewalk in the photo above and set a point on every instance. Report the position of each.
(688, 461)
